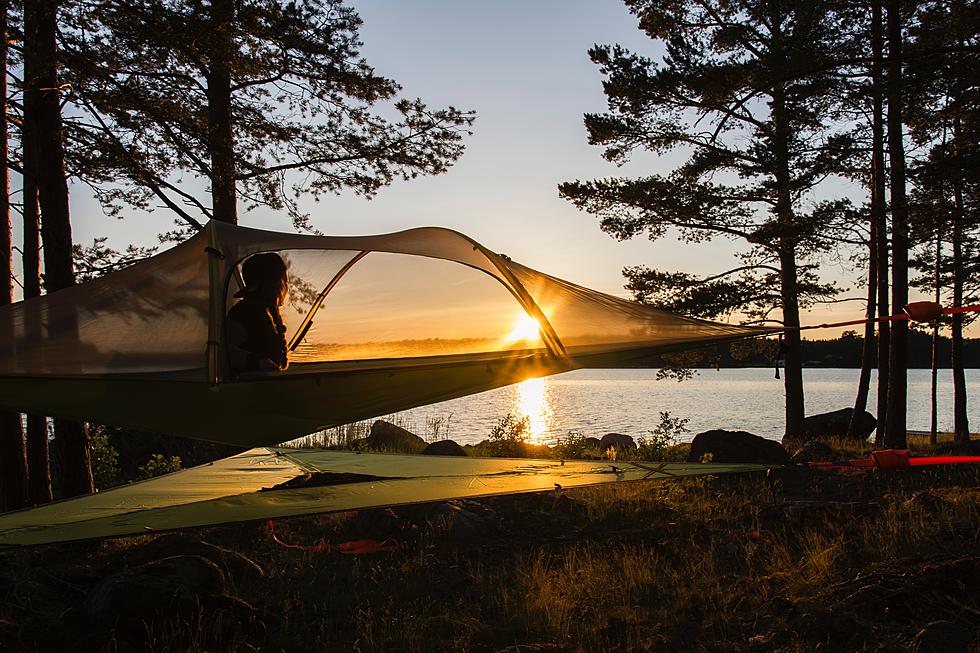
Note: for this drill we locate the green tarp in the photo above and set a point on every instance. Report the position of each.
(231, 490)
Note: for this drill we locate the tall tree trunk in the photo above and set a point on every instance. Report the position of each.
(41, 80)
(789, 284)
(38, 454)
(868, 347)
(878, 213)
(961, 426)
(933, 403)
(13, 449)
(896, 421)
(221, 139)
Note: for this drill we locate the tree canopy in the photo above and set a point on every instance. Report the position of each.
(273, 94)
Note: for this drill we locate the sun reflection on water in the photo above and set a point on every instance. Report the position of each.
(532, 400)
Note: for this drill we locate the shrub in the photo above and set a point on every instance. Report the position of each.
(573, 446)
(662, 439)
(509, 437)
(158, 465)
(105, 460)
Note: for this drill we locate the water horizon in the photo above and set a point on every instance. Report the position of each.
(599, 401)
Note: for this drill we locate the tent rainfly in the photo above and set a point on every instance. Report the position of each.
(375, 324)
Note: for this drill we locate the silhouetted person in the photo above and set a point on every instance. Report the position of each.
(254, 328)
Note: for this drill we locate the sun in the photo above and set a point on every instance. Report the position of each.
(525, 328)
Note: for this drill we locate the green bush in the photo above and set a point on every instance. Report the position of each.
(105, 460)
(575, 446)
(158, 465)
(661, 442)
(509, 437)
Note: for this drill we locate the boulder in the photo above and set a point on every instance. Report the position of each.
(592, 443)
(453, 518)
(391, 438)
(375, 523)
(815, 451)
(179, 587)
(444, 448)
(736, 447)
(834, 425)
(617, 440)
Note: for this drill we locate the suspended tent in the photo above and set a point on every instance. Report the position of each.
(376, 324)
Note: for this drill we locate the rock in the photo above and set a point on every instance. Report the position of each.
(391, 438)
(444, 448)
(943, 637)
(376, 523)
(617, 440)
(736, 447)
(592, 443)
(834, 425)
(815, 451)
(163, 590)
(452, 518)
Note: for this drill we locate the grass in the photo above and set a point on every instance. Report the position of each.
(801, 561)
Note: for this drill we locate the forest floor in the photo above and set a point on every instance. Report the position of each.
(797, 560)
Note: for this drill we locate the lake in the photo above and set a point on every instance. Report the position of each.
(630, 401)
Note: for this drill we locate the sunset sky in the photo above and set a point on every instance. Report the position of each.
(524, 68)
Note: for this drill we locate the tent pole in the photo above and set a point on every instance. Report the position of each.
(527, 302)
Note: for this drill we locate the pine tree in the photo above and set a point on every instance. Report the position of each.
(13, 449)
(267, 100)
(896, 434)
(944, 81)
(42, 114)
(38, 454)
(747, 88)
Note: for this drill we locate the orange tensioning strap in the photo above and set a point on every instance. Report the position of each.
(916, 311)
(354, 547)
(893, 459)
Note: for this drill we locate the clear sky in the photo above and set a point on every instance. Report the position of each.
(523, 67)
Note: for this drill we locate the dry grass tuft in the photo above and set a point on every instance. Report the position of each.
(811, 561)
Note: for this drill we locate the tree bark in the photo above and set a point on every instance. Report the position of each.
(933, 403)
(961, 425)
(38, 454)
(13, 449)
(789, 285)
(896, 422)
(221, 139)
(868, 347)
(878, 213)
(44, 109)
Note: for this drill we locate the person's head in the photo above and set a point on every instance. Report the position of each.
(265, 277)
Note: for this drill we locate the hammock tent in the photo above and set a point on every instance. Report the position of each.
(376, 324)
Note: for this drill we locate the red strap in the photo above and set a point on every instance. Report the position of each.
(360, 547)
(943, 460)
(355, 547)
(893, 459)
(916, 311)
